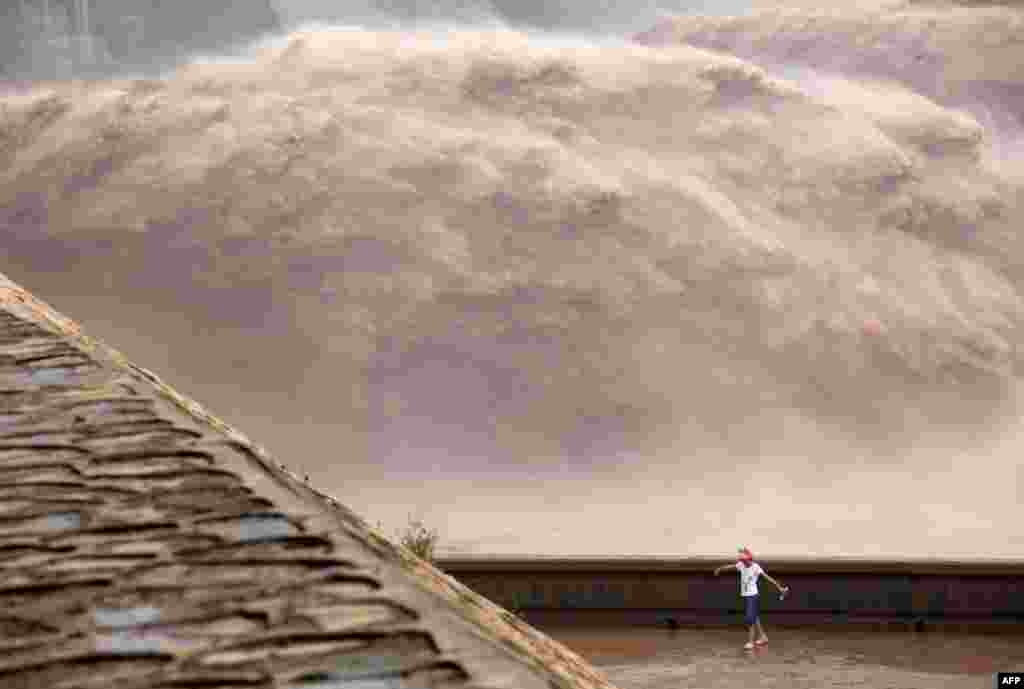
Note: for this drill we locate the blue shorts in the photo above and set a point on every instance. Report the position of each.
(751, 608)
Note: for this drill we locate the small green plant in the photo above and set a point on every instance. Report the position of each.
(419, 539)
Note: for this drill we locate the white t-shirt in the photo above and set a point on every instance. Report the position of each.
(748, 578)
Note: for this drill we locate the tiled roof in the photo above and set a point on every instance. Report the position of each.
(146, 544)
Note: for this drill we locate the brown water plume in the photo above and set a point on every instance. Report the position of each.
(661, 297)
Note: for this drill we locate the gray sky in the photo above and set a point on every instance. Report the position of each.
(535, 288)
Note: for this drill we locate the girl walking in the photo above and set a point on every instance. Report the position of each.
(750, 571)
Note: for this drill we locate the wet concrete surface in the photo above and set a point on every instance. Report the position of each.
(648, 658)
(146, 544)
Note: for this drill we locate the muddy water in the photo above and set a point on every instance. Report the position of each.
(572, 294)
(655, 659)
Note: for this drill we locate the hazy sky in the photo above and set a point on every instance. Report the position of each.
(572, 294)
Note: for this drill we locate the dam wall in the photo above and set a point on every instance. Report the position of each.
(146, 543)
(916, 594)
(60, 39)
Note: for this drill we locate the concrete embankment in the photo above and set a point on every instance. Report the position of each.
(147, 544)
(918, 594)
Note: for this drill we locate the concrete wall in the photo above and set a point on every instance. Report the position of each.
(146, 543)
(655, 591)
(48, 39)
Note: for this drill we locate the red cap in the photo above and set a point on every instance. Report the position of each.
(745, 554)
